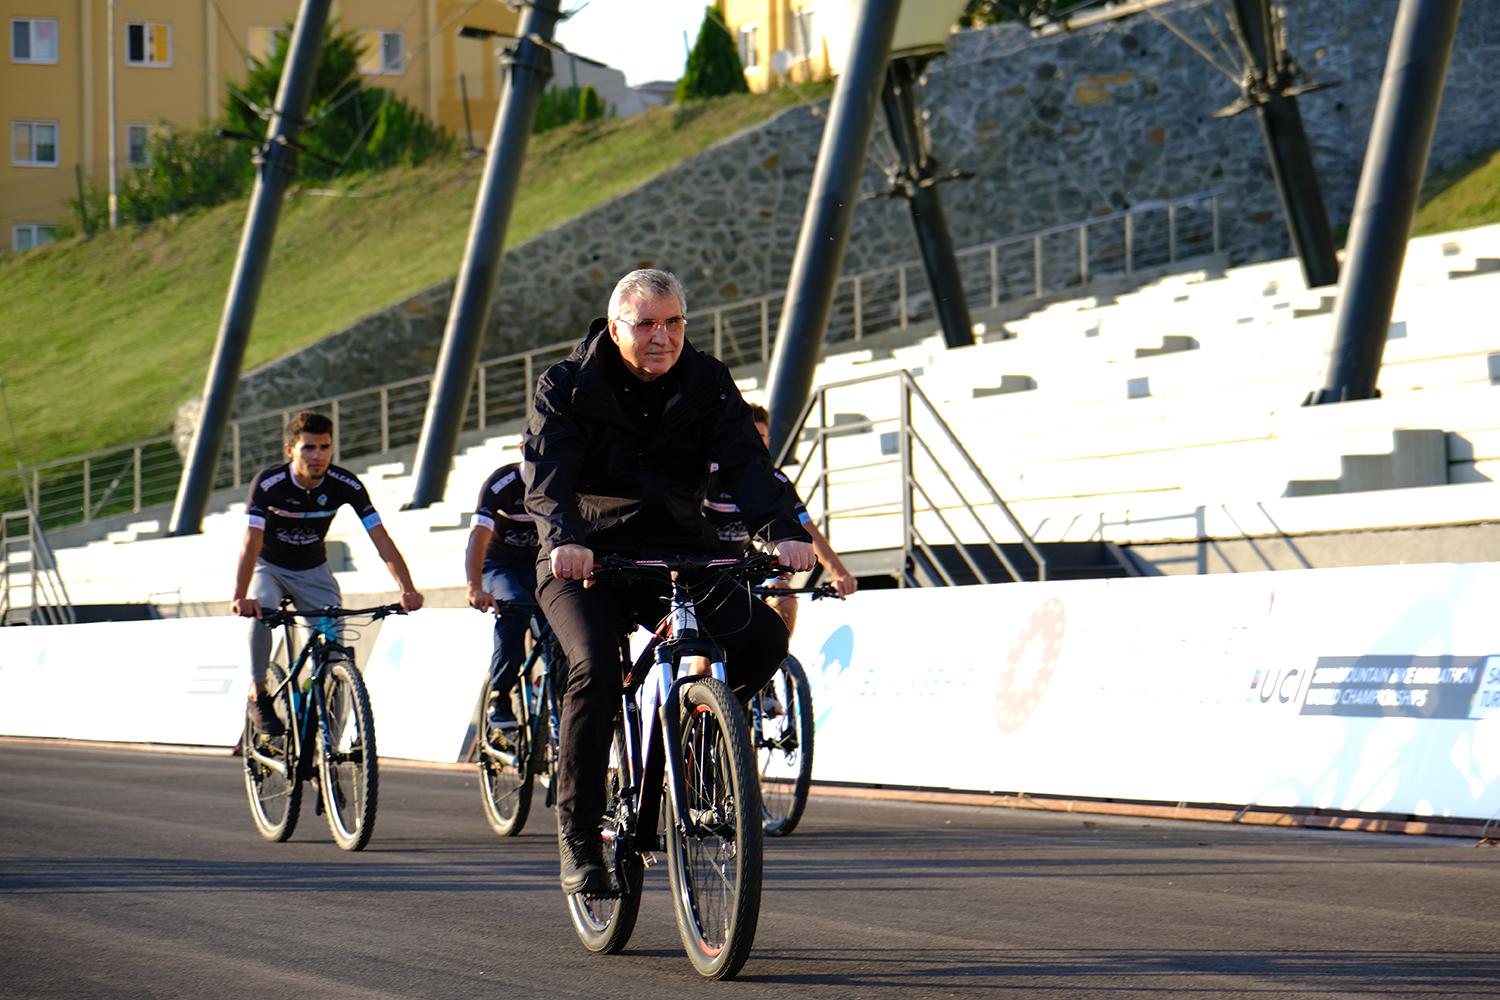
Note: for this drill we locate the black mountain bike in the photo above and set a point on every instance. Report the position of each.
(689, 732)
(511, 762)
(329, 735)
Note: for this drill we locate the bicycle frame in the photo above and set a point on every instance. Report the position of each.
(304, 710)
(659, 690)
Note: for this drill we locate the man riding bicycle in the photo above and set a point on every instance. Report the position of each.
(500, 564)
(617, 450)
(291, 508)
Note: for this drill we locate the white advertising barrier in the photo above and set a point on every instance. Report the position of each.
(424, 676)
(130, 682)
(1369, 689)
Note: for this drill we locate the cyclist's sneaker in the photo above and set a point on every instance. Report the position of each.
(502, 720)
(583, 868)
(262, 712)
(770, 704)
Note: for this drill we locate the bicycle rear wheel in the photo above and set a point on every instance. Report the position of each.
(783, 724)
(505, 778)
(716, 868)
(604, 924)
(271, 767)
(347, 762)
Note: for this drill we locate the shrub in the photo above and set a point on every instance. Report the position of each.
(713, 67)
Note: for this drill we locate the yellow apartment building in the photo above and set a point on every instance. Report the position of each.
(761, 28)
(172, 61)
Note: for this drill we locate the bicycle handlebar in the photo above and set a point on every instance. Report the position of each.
(287, 616)
(745, 568)
(819, 592)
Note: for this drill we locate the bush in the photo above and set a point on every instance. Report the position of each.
(557, 107)
(192, 168)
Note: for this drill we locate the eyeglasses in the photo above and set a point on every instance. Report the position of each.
(672, 324)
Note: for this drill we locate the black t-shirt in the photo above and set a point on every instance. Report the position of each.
(724, 514)
(502, 509)
(296, 519)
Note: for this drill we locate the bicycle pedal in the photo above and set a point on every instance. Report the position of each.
(649, 859)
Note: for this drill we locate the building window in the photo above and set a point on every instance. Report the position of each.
(148, 44)
(28, 235)
(265, 43)
(749, 51)
(381, 52)
(138, 145)
(33, 40)
(33, 144)
(805, 43)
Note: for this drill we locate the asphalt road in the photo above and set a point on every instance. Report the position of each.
(132, 874)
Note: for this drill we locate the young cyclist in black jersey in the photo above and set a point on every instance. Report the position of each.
(291, 509)
(722, 512)
(500, 563)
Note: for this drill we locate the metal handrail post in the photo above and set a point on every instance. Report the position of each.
(136, 496)
(385, 420)
(908, 514)
(88, 490)
(963, 452)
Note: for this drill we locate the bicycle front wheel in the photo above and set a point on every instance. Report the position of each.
(715, 853)
(347, 763)
(271, 767)
(604, 924)
(782, 722)
(505, 778)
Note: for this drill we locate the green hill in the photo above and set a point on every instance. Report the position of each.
(101, 341)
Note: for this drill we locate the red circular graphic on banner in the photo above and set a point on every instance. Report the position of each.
(1028, 667)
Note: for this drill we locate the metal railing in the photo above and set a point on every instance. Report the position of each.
(937, 503)
(28, 566)
(376, 420)
(1031, 265)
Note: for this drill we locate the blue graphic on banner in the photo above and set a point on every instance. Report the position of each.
(833, 660)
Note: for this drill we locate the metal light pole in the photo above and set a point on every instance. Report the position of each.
(114, 130)
(530, 67)
(276, 164)
(1269, 86)
(1385, 204)
(825, 224)
(917, 182)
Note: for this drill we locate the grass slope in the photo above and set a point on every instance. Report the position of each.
(1461, 197)
(101, 341)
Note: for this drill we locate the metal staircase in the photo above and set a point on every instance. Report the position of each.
(32, 591)
(910, 502)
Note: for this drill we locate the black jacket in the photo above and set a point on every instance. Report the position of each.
(594, 479)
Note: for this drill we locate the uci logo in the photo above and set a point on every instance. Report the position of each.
(1284, 686)
(322, 499)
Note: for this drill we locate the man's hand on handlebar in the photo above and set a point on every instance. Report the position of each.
(575, 562)
(481, 599)
(798, 556)
(246, 607)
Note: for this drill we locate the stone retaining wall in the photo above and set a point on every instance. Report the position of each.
(1055, 129)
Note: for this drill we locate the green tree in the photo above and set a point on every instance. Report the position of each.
(713, 67)
(343, 115)
(590, 107)
(557, 107)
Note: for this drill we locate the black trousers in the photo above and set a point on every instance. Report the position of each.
(589, 622)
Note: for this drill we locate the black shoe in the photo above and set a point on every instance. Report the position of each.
(583, 863)
(262, 712)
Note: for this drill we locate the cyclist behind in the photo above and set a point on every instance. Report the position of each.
(291, 509)
(720, 509)
(500, 563)
(617, 451)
